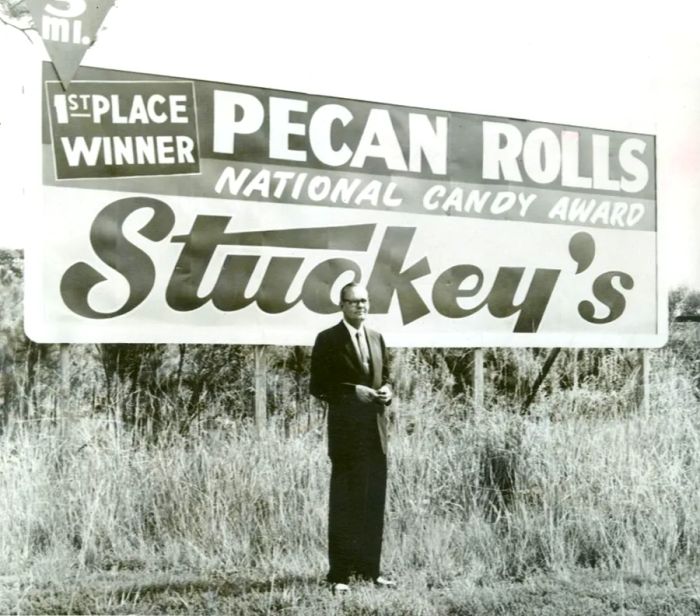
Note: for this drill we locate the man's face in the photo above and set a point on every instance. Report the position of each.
(355, 305)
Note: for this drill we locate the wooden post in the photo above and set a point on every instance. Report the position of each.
(260, 387)
(644, 359)
(478, 378)
(63, 411)
(575, 372)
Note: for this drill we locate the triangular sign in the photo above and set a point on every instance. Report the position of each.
(68, 28)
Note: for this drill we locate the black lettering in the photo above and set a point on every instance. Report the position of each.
(608, 295)
(229, 291)
(500, 299)
(582, 250)
(199, 245)
(388, 278)
(447, 289)
(115, 251)
(275, 284)
(228, 294)
(320, 281)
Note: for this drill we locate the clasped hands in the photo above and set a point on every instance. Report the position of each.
(366, 394)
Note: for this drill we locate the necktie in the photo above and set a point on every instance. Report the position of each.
(364, 359)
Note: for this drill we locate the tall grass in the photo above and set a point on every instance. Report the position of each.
(474, 494)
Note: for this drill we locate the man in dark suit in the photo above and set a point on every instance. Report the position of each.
(350, 371)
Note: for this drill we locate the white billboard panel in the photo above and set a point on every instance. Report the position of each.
(185, 211)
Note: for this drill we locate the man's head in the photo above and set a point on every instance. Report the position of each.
(354, 303)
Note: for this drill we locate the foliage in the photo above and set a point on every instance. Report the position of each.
(26, 366)
(480, 495)
(685, 337)
(15, 13)
(683, 301)
(478, 499)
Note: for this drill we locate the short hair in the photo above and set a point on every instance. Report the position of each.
(350, 285)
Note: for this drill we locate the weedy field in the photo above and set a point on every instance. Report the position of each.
(582, 506)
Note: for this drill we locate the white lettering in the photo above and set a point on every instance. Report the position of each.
(379, 140)
(260, 183)
(570, 161)
(428, 141)
(234, 180)
(369, 193)
(74, 8)
(226, 126)
(320, 135)
(100, 107)
(503, 202)
(476, 200)
(602, 213)
(281, 127)
(55, 29)
(560, 208)
(281, 177)
(128, 150)
(429, 198)
(389, 199)
(152, 112)
(601, 164)
(633, 166)
(542, 156)
(500, 160)
(590, 211)
(618, 212)
(319, 187)
(178, 108)
(635, 214)
(581, 209)
(525, 202)
(79, 150)
(454, 200)
(344, 190)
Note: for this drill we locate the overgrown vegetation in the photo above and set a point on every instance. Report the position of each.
(157, 472)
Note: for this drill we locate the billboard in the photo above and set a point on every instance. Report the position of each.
(178, 210)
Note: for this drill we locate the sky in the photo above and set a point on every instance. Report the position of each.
(618, 65)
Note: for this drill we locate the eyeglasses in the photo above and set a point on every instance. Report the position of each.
(356, 302)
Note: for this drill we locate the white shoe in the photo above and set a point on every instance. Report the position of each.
(384, 582)
(340, 589)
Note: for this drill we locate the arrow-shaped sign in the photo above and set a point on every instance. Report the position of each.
(68, 28)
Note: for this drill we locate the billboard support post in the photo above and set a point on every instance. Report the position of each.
(644, 359)
(260, 352)
(478, 378)
(64, 359)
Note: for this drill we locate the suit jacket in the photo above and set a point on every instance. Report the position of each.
(335, 370)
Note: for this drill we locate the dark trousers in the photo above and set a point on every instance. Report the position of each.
(356, 515)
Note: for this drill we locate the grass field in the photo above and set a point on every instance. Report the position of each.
(582, 593)
(489, 512)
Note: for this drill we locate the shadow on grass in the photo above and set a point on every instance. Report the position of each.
(219, 584)
(586, 593)
(180, 593)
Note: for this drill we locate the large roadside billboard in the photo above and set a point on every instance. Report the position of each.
(178, 210)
